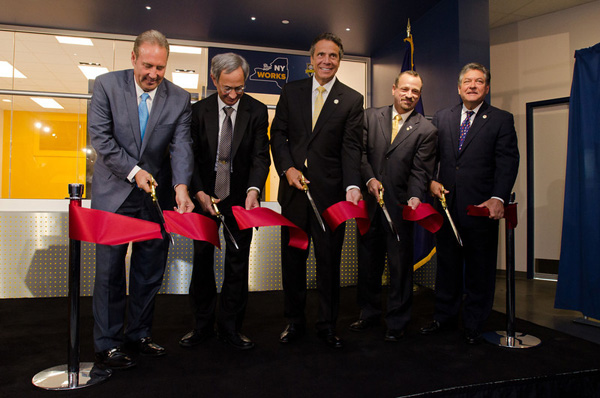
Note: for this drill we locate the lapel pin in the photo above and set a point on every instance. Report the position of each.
(408, 128)
(336, 101)
(484, 116)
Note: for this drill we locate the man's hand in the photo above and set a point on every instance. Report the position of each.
(182, 198)
(436, 189)
(414, 203)
(293, 176)
(252, 199)
(495, 206)
(354, 195)
(206, 203)
(374, 186)
(142, 179)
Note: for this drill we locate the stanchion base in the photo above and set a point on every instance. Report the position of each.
(521, 340)
(59, 378)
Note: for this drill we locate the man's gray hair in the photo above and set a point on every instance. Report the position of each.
(228, 62)
(475, 66)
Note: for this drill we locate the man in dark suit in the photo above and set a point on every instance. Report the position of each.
(139, 125)
(399, 159)
(478, 164)
(324, 145)
(229, 132)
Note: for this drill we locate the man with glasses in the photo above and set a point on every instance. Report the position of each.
(231, 151)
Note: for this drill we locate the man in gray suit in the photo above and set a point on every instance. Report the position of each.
(139, 124)
(398, 161)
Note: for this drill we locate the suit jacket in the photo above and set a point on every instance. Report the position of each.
(486, 166)
(332, 151)
(404, 166)
(114, 128)
(249, 150)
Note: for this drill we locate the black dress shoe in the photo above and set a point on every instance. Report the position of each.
(196, 337)
(146, 346)
(361, 325)
(432, 328)
(291, 333)
(114, 358)
(472, 337)
(237, 340)
(328, 337)
(393, 335)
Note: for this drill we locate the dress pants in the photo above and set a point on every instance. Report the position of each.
(372, 250)
(328, 250)
(233, 298)
(468, 271)
(147, 266)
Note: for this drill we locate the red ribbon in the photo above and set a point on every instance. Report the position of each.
(345, 210)
(510, 213)
(425, 215)
(193, 226)
(264, 217)
(106, 228)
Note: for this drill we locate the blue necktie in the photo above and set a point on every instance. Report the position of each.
(143, 113)
(464, 129)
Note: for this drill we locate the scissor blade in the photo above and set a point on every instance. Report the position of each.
(389, 220)
(314, 206)
(228, 232)
(453, 226)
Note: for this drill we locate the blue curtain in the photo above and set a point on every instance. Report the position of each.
(579, 270)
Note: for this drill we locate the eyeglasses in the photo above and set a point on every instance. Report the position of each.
(238, 90)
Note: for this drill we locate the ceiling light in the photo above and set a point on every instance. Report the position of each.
(91, 71)
(253, 18)
(80, 41)
(47, 103)
(185, 78)
(185, 50)
(6, 70)
(148, 8)
(285, 22)
(347, 29)
(6, 100)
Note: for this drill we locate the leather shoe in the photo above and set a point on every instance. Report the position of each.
(291, 333)
(431, 328)
(147, 347)
(236, 340)
(196, 337)
(114, 358)
(393, 335)
(328, 336)
(361, 325)
(472, 337)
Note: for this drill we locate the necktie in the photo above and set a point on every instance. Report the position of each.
(318, 105)
(464, 129)
(395, 126)
(143, 114)
(224, 156)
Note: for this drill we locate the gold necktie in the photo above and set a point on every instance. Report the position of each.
(395, 126)
(318, 105)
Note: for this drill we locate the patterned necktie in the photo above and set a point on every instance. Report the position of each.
(395, 126)
(464, 129)
(318, 105)
(224, 156)
(143, 114)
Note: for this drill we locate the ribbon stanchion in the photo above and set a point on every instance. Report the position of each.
(344, 211)
(508, 338)
(74, 375)
(264, 217)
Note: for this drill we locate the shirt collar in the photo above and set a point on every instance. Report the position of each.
(327, 85)
(404, 115)
(464, 109)
(139, 91)
(223, 105)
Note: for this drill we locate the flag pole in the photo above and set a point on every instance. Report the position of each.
(73, 375)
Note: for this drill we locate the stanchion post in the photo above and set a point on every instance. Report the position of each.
(509, 338)
(75, 374)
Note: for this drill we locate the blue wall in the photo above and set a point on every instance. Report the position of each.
(450, 35)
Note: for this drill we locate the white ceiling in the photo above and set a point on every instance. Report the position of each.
(504, 12)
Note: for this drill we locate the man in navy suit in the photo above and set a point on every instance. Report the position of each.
(323, 143)
(129, 153)
(478, 164)
(246, 162)
(398, 161)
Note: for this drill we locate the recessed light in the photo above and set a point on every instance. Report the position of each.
(47, 103)
(253, 18)
(80, 41)
(148, 8)
(91, 70)
(185, 78)
(285, 22)
(6, 100)
(185, 50)
(347, 29)
(6, 70)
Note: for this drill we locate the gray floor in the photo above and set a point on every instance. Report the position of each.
(534, 302)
